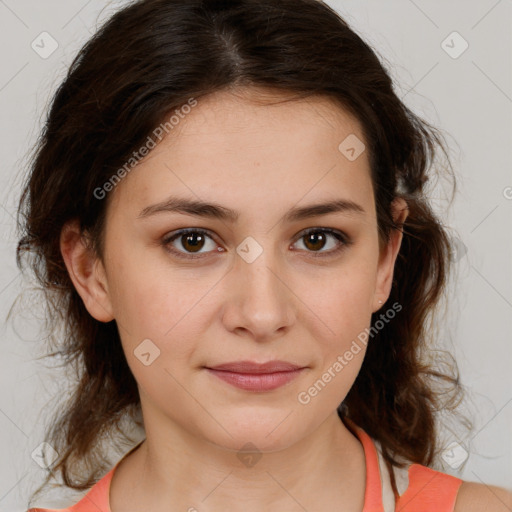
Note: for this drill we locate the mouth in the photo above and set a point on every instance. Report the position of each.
(252, 376)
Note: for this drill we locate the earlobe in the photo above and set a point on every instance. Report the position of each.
(86, 272)
(389, 254)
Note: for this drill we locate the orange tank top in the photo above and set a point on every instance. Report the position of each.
(422, 489)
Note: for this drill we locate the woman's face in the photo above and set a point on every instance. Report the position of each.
(247, 283)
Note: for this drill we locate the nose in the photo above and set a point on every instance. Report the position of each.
(259, 302)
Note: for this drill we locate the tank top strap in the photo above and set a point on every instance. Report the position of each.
(373, 492)
(428, 490)
(97, 498)
(421, 489)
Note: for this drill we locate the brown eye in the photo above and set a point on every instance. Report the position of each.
(188, 243)
(192, 242)
(316, 239)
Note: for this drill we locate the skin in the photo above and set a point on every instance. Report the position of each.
(261, 160)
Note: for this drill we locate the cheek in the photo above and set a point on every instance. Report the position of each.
(161, 305)
(341, 299)
(339, 321)
(147, 300)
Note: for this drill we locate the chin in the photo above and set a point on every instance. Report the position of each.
(268, 432)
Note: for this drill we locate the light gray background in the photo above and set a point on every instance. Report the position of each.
(469, 97)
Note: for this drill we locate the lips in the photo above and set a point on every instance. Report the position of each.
(256, 368)
(252, 376)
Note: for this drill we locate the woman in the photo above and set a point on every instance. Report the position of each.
(228, 207)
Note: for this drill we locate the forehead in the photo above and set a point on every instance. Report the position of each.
(256, 116)
(254, 148)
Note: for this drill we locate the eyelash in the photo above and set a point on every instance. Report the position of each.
(344, 240)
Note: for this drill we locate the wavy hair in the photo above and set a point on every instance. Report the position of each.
(150, 58)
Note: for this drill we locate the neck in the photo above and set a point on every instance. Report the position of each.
(192, 474)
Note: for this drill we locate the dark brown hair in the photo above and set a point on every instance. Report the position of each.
(150, 58)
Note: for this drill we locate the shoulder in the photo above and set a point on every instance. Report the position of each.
(476, 497)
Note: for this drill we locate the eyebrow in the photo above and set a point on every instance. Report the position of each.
(216, 211)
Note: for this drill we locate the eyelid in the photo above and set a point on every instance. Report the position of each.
(174, 235)
(343, 241)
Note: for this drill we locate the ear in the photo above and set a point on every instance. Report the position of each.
(389, 253)
(86, 272)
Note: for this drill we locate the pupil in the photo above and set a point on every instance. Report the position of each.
(189, 240)
(316, 237)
